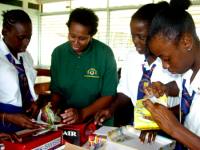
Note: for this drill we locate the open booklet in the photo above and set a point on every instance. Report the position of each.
(142, 117)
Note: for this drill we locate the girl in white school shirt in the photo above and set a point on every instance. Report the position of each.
(17, 31)
(173, 38)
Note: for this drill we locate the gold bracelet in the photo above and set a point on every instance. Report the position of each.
(3, 121)
(3, 117)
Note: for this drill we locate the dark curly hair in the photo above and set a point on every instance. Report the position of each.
(14, 16)
(85, 17)
(148, 11)
(173, 22)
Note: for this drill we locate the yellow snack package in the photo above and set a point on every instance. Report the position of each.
(142, 117)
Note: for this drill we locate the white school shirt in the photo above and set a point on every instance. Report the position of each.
(9, 82)
(192, 120)
(131, 75)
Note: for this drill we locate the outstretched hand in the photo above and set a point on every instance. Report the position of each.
(102, 115)
(21, 120)
(162, 116)
(71, 116)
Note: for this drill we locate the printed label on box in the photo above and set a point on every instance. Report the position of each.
(49, 145)
(71, 136)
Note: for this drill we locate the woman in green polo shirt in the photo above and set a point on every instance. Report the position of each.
(83, 71)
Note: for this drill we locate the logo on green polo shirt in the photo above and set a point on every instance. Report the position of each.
(91, 73)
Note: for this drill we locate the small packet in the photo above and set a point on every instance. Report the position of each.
(117, 135)
(161, 100)
(142, 117)
(96, 141)
(48, 116)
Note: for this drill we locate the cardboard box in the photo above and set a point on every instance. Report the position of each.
(78, 134)
(47, 141)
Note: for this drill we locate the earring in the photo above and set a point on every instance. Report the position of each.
(190, 48)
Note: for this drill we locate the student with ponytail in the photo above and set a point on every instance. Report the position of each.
(173, 38)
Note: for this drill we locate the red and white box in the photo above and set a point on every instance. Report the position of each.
(78, 134)
(46, 141)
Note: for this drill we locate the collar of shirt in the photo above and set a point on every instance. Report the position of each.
(156, 62)
(194, 85)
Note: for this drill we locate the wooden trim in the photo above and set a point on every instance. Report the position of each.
(43, 72)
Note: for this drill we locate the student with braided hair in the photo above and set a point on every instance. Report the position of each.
(17, 75)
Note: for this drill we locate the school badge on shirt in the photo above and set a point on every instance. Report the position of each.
(91, 73)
